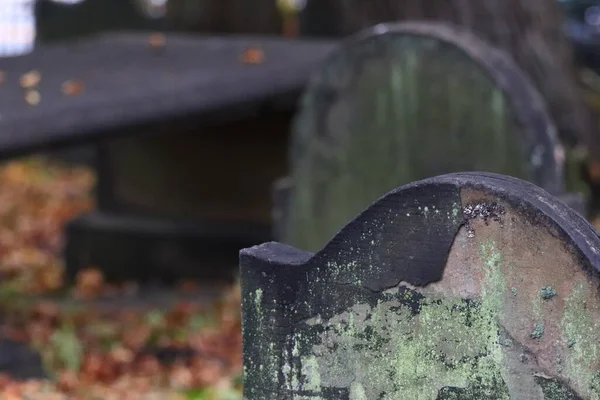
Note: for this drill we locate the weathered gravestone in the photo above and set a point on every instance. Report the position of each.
(403, 102)
(463, 286)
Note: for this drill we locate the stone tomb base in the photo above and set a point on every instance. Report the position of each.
(181, 202)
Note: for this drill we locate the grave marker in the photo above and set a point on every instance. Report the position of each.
(403, 102)
(463, 286)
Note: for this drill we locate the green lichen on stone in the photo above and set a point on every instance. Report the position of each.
(555, 390)
(514, 291)
(418, 354)
(341, 272)
(595, 383)
(581, 329)
(472, 392)
(443, 348)
(389, 351)
(456, 210)
(258, 298)
(538, 331)
(357, 392)
(547, 292)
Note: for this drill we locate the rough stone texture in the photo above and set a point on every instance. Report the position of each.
(404, 102)
(464, 286)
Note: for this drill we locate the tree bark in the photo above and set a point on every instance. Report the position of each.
(225, 16)
(531, 31)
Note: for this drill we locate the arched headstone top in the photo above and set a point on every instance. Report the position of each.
(526, 102)
(489, 282)
(400, 102)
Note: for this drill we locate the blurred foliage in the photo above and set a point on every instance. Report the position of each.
(183, 350)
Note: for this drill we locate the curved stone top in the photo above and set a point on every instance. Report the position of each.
(526, 102)
(402, 102)
(475, 285)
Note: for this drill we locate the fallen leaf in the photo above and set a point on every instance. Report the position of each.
(181, 377)
(157, 352)
(253, 55)
(157, 40)
(33, 97)
(68, 381)
(89, 283)
(72, 87)
(30, 79)
(122, 355)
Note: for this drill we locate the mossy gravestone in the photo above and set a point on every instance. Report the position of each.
(403, 102)
(464, 286)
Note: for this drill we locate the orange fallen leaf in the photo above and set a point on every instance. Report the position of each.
(122, 355)
(180, 377)
(72, 87)
(148, 366)
(68, 381)
(89, 283)
(209, 373)
(253, 55)
(137, 337)
(30, 79)
(157, 40)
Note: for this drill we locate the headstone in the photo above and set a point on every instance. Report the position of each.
(404, 102)
(463, 286)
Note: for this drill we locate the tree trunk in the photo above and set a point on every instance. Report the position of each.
(225, 16)
(59, 22)
(532, 31)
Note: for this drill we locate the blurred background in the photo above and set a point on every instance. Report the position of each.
(143, 143)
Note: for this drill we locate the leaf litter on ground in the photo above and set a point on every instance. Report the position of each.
(91, 348)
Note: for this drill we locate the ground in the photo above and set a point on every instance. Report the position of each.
(92, 348)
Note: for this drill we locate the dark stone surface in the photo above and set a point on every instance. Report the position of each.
(220, 171)
(82, 155)
(402, 102)
(459, 287)
(141, 248)
(19, 361)
(131, 87)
